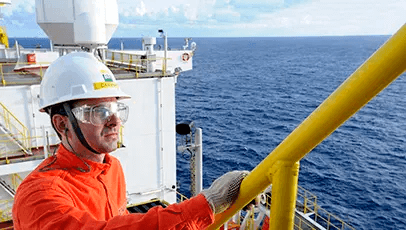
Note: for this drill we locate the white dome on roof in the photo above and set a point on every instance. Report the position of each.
(82, 22)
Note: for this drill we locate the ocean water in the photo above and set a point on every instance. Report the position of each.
(248, 94)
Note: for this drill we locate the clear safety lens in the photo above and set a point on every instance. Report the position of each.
(101, 113)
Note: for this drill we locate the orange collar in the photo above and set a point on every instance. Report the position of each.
(67, 160)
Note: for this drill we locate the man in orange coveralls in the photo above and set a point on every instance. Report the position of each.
(82, 186)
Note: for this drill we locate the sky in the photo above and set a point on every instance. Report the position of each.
(234, 18)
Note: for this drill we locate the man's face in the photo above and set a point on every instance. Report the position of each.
(101, 137)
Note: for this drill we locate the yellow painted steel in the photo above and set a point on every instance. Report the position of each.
(284, 189)
(309, 202)
(5, 212)
(15, 126)
(15, 180)
(41, 74)
(2, 75)
(3, 36)
(383, 67)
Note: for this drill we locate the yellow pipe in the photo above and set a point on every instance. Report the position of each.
(4, 37)
(40, 71)
(383, 67)
(131, 62)
(3, 81)
(284, 189)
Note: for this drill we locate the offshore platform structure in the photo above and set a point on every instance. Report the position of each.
(147, 74)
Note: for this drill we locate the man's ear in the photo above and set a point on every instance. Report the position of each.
(60, 123)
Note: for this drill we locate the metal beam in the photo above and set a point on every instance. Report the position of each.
(19, 167)
(284, 189)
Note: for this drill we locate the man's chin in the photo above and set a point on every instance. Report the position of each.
(109, 146)
(107, 150)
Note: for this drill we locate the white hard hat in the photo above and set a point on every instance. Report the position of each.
(77, 76)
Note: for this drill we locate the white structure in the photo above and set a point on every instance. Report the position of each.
(90, 23)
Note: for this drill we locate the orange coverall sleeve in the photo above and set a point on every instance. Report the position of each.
(55, 210)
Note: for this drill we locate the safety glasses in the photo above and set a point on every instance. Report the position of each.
(101, 113)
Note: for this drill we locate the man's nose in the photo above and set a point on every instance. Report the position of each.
(113, 120)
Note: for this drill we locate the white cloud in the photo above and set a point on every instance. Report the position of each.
(227, 15)
(338, 17)
(190, 10)
(17, 23)
(174, 9)
(140, 11)
(257, 3)
(128, 26)
(275, 17)
(243, 17)
(18, 6)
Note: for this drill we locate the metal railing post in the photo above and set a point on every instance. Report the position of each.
(40, 71)
(3, 81)
(284, 189)
(130, 62)
(197, 164)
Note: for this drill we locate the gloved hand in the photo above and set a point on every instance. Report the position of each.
(224, 190)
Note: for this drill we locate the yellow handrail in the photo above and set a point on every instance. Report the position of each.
(10, 122)
(383, 67)
(3, 81)
(5, 213)
(16, 180)
(22, 81)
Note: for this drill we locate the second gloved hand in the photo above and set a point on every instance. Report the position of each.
(224, 190)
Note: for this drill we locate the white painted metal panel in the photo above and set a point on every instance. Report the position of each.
(148, 172)
(20, 167)
(76, 21)
(46, 57)
(54, 11)
(112, 18)
(23, 101)
(89, 22)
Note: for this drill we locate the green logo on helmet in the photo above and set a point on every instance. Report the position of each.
(107, 76)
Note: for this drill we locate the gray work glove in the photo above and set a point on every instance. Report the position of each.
(224, 190)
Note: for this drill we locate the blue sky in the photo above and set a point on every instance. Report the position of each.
(235, 18)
